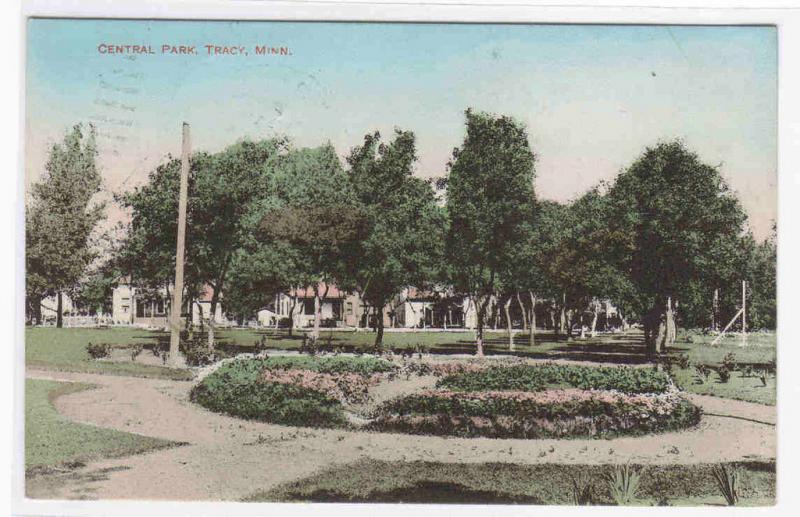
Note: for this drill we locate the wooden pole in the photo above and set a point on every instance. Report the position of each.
(744, 313)
(177, 292)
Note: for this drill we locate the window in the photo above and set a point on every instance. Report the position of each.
(159, 305)
(308, 306)
(349, 308)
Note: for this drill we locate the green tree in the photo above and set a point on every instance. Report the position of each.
(762, 303)
(582, 266)
(403, 245)
(677, 223)
(222, 189)
(489, 195)
(314, 210)
(59, 219)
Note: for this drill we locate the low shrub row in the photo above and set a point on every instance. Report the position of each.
(344, 387)
(546, 414)
(300, 391)
(365, 366)
(526, 377)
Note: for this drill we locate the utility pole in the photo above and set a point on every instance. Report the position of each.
(715, 311)
(177, 291)
(744, 312)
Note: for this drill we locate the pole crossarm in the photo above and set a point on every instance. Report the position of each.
(721, 334)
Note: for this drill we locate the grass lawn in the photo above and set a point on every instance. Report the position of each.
(53, 441)
(739, 387)
(429, 482)
(65, 350)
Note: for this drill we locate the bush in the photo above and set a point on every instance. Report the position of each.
(98, 350)
(236, 389)
(538, 377)
(623, 482)
(135, 351)
(548, 414)
(726, 483)
(703, 372)
(729, 361)
(724, 374)
(365, 366)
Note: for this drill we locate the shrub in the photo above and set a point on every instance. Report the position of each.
(236, 389)
(546, 414)
(537, 377)
(260, 345)
(365, 366)
(582, 492)
(344, 387)
(724, 374)
(623, 482)
(135, 351)
(703, 372)
(98, 350)
(417, 368)
(726, 483)
(683, 361)
(729, 361)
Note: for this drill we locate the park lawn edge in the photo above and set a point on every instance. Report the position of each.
(149, 444)
(369, 480)
(139, 371)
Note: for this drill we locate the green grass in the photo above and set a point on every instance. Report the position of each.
(65, 350)
(749, 389)
(53, 441)
(760, 348)
(376, 481)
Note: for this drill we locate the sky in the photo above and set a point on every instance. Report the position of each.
(593, 97)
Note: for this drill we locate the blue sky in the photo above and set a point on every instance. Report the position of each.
(592, 96)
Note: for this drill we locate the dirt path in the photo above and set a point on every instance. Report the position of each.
(228, 458)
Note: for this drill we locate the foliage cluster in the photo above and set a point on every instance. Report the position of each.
(538, 377)
(554, 414)
(295, 390)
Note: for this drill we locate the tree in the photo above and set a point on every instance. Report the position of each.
(676, 222)
(489, 195)
(222, 190)
(762, 302)
(257, 274)
(59, 219)
(314, 210)
(582, 262)
(403, 245)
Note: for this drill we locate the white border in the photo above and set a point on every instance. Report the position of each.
(511, 11)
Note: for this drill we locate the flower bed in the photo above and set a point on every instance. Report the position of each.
(524, 377)
(344, 387)
(301, 391)
(559, 413)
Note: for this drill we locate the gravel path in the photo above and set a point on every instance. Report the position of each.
(227, 459)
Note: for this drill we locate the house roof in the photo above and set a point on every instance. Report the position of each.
(308, 292)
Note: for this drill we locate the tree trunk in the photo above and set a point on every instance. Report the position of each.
(659, 328)
(532, 335)
(524, 313)
(317, 316)
(506, 306)
(480, 315)
(59, 310)
(212, 314)
(594, 321)
(379, 333)
(292, 308)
